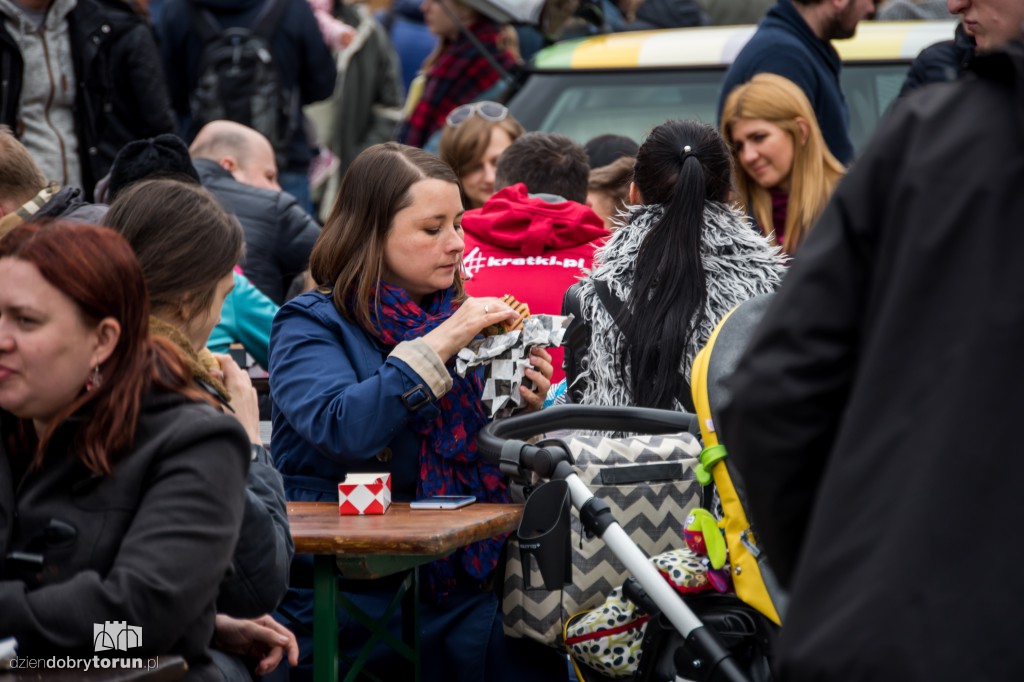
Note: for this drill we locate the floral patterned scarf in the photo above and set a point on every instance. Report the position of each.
(449, 463)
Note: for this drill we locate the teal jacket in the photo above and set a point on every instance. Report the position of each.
(246, 318)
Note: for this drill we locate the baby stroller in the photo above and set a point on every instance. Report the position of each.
(677, 643)
(697, 637)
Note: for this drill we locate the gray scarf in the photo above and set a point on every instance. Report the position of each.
(739, 264)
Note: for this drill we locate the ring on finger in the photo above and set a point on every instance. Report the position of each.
(487, 309)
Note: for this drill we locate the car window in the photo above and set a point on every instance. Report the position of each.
(869, 90)
(583, 104)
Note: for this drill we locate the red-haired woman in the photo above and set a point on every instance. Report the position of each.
(121, 489)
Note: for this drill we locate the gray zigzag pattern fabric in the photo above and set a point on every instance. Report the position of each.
(652, 513)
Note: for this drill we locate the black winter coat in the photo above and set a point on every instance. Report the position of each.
(875, 415)
(122, 95)
(148, 545)
(279, 234)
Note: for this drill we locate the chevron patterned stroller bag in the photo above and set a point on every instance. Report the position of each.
(650, 485)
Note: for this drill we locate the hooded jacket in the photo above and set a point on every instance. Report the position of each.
(531, 247)
(890, 335)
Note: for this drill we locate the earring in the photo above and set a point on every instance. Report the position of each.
(95, 379)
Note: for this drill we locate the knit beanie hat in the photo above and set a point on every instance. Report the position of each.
(163, 156)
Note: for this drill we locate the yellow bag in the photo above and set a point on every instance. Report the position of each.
(754, 582)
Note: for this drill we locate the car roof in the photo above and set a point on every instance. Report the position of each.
(719, 45)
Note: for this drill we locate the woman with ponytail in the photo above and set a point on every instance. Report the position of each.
(664, 280)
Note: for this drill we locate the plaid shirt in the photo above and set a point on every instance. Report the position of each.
(459, 75)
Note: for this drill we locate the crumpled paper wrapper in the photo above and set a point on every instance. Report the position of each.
(506, 357)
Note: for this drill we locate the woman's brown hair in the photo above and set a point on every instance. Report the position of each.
(184, 240)
(96, 268)
(349, 254)
(815, 172)
(463, 146)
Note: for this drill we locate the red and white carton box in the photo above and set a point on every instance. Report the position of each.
(364, 494)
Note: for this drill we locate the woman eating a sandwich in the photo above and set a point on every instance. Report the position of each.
(360, 380)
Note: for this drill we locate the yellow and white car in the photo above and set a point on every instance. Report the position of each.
(627, 83)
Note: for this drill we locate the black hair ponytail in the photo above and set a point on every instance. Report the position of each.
(680, 166)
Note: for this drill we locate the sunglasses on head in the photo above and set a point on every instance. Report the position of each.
(489, 111)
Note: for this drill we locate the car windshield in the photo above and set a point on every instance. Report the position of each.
(583, 104)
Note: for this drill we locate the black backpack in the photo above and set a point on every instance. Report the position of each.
(238, 79)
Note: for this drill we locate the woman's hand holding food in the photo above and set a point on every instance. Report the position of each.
(466, 323)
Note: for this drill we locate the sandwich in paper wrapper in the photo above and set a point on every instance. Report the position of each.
(361, 494)
(506, 357)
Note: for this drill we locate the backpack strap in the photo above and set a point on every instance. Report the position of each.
(264, 24)
(575, 342)
(204, 22)
(609, 300)
(577, 336)
(267, 20)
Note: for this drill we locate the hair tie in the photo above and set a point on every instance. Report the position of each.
(687, 152)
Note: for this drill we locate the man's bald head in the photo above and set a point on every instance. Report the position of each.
(240, 150)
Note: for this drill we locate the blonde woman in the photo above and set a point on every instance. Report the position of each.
(784, 172)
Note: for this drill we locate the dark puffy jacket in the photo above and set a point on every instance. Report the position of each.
(121, 90)
(303, 60)
(279, 235)
(67, 203)
(941, 62)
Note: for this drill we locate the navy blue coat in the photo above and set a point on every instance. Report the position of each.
(784, 44)
(337, 404)
(298, 49)
(328, 422)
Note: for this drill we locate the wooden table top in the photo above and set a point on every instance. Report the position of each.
(317, 528)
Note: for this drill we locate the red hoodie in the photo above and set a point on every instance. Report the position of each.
(530, 248)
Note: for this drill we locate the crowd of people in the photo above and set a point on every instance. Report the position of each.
(157, 210)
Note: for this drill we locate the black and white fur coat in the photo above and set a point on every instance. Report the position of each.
(739, 264)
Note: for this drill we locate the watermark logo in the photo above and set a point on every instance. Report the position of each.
(116, 635)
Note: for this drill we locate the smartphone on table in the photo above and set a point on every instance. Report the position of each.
(443, 502)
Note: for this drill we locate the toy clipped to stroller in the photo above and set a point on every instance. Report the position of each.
(635, 554)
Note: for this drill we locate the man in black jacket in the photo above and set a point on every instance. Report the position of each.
(875, 414)
(237, 164)
(79, 81)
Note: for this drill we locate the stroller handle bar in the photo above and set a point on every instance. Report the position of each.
(496, 443)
